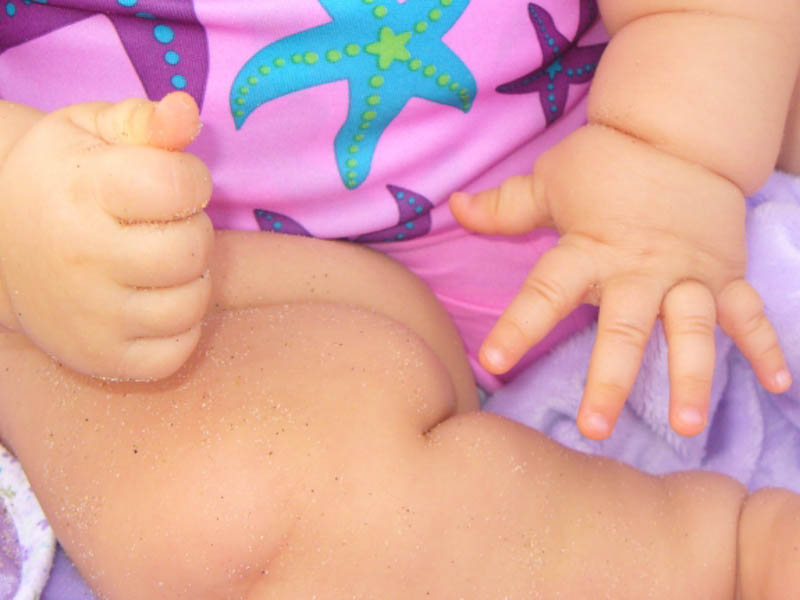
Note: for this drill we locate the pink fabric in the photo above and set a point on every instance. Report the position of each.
(282, 159)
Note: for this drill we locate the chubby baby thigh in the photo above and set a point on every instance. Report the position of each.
(193, 486)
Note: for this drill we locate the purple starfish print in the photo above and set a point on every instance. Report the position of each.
(414, 220)
(564, 63)
(166, 43)
(275, 222)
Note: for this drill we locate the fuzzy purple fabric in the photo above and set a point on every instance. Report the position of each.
(753, 435)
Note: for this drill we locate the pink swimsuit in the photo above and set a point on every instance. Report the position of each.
(343, 119)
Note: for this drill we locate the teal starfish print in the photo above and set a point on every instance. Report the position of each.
(387, 51)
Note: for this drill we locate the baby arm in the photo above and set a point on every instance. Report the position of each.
(686, 115)
(94, 199)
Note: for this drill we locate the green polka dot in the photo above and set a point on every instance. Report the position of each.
(376, 81)
(364, 125)
(239, 113)
(311, 58)
(297, 59)
(358, 137)
(369, 115)
(368, 1)
(351, 162)
(244, 90)
(333, 56)
(374, 100)
(351, 183)
(421, 26)
(240, 101)
(353, 149)
(445, 2)
(443, 79)
(415, 64)
(352, 49)
(263, 69)
(429, 71)
(279, 62)
(252, 80)
(467, 105)
(435, 14)
(454, 86)
(380, 11)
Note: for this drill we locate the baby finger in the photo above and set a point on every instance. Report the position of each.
(628, 310)
(689, 317)
(742, 317)
(151, 359)
(163, 312)
(517, 206)
(555, 286)
(162, 255)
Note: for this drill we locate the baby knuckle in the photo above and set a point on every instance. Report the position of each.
(627, 332)
(548, 290)
(752, 324)
(696, 325)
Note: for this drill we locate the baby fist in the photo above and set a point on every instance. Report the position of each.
(104, 245)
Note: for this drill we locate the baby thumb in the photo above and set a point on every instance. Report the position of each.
(515, 207)
(170, 124)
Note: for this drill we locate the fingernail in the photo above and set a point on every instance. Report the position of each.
(494, 357)
(783, 379)
(691, 417)
(597, 425)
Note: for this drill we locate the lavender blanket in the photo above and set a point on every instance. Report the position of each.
(753, 436)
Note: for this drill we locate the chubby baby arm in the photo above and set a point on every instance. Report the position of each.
(94, 198)
(701, 89)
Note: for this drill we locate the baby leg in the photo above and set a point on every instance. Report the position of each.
(769, 546)
(312, 451)
(789, 158)
(189, 488)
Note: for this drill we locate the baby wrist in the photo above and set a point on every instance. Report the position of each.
(689, 100)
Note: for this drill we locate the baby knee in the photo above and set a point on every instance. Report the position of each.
(769, 545)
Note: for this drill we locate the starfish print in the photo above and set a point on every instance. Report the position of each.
(564, 63)
(387, 52)
(414, 220)
(166, 43)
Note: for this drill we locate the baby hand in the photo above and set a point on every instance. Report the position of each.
(104, 245)
(644, 235)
